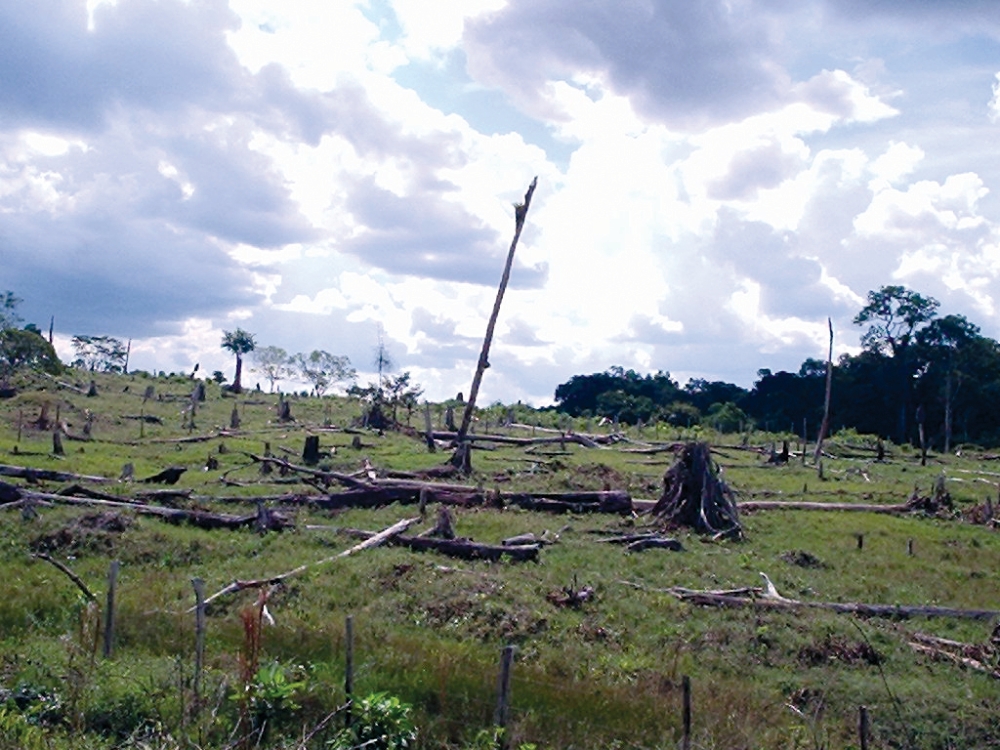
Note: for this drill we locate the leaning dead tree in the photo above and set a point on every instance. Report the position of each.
(825, 426)
(694, 495)
(462, 458)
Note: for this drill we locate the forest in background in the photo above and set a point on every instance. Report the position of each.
(918, 372)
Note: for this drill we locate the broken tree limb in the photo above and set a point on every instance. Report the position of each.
(769, 598)
(397, 528)
(69, 573)
(520, 214)
(978, 656)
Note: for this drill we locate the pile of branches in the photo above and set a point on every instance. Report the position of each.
(695, 496)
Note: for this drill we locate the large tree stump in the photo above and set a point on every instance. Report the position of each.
(310, 451)
(695, 496)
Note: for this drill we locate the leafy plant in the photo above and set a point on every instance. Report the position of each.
(380, 722)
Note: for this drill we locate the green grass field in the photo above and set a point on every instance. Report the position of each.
(430, 629)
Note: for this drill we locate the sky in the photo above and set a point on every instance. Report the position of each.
(715, 178)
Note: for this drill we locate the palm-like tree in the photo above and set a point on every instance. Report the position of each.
(239, 342)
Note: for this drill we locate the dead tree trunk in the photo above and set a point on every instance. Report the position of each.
(462, 457)
(825, 426)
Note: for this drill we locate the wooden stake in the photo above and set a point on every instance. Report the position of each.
(863, 729)
(349, 669)
(109, 610)
(686, 712)
(199, 639)
(502, 714)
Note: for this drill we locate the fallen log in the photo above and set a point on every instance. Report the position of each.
(753, 505)
(610, 501)
(769, 598)
(48, 475)
(464, 549)
(200, 518)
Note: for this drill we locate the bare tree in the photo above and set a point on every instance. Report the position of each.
(520, 213)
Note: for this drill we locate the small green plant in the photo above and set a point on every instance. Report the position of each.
(380, 722)
(272, 695)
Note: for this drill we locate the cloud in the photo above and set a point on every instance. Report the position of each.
(426, 235)
(681, 63)
(142, 53)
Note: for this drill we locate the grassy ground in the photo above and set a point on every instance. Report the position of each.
(431, 630)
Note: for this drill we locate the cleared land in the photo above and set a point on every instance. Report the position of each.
(598, 670)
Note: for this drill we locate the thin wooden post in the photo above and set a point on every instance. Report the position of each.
(861, 541)
(686, 712)
(199, 639)
(349, 669)
(863, 729)
(909, 547)
(502, 714)
(109, 610)
(429, 428)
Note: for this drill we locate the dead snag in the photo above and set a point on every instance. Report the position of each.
(695, 496)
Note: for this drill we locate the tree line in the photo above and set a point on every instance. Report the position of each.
(917, 372)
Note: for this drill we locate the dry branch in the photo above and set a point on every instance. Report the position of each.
(373, 541)
(69, 573)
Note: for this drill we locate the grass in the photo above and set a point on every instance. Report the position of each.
(430, 630)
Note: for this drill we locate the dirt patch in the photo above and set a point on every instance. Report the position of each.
(595, 476)
(802, 559)
(480, 613)
(834, 649)
(94, 532)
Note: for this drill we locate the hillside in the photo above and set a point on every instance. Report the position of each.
(603, 636)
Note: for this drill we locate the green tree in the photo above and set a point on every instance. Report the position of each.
(893, 316)
(323, 369)
(239, 342)
(273, 363)
(8, 310)
(402, 393)
(25, 349)
(100, 353)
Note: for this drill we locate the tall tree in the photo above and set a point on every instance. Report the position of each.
(323, 369)
(942, 343)
(893, 315)
(100, 353)
(382, 360)
(273, 363)
(239, 342)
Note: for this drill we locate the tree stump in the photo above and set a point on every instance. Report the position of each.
(310, 451)
(234, 419)
(695, 496)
